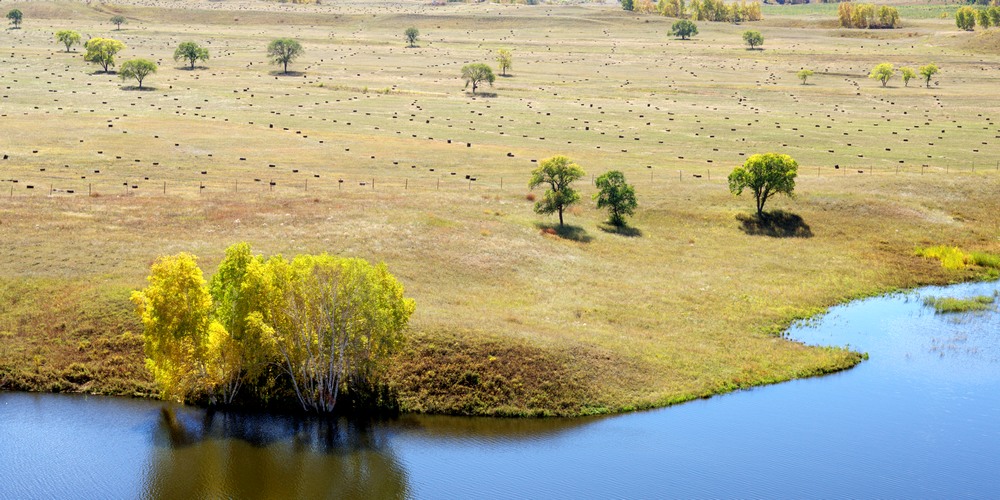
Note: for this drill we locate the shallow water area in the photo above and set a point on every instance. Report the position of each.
(918, 419)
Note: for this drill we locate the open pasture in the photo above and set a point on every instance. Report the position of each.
(373, 149)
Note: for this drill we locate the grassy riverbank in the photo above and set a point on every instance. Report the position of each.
(510, 320)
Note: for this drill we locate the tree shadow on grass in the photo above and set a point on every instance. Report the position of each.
(627, 231)
(776, 224)
(145, 88)
(290, 73)
(566, 232)
(486, 95)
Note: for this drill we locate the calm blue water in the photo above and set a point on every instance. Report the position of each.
(920, 419)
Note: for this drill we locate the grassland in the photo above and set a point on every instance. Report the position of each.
(510, 320)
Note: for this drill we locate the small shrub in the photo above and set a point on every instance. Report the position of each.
(950, 257)
(984, 259)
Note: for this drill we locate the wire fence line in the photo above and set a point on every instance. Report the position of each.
(648, 178)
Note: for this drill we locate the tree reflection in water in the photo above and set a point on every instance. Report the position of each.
(216, 454)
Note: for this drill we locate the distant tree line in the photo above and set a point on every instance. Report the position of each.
(867, 16)
(699, 10)
(967, 18)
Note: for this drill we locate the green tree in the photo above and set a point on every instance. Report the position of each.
(994, 14)
(102, 51)
(505, 58)
(283, 51)
(477, 73)
(928, 71)
(346, 321)
(882, 72)
(684, 28)
(628, 5)
(411, 35)
(137, 69)
(558, 172)
(766, 175)
(15, 16)
(617, 196)
(190, 52)
(804, 74)
(983, 18)
(965, 18)
(248, 302)
(175, 309)
(753, 38)
(119, 21)
(907, 73)
(69, 38)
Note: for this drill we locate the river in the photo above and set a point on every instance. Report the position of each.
(919, 419)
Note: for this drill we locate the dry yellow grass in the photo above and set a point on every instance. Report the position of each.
(509, 320)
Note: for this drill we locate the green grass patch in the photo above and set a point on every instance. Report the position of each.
(943, 305)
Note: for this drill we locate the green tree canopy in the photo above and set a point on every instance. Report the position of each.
(69, 38)
(137, 69)
(102, 51)
(765, 175)
(928, 71)
(617, 196)
(753, 38)
(907, 73)
(119, 21)
(477, 73)
(684, 29)
(628, 4)
(283, 51)
(804, 74)
(558, 172)
(411, 35)
(983, 18)
(190, 52)
(965, 18)
(15, 16)
(882, 72)
(505, 59)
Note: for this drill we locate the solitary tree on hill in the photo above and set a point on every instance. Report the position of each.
(137, 69)
(477, 73)
(283, 51)
(766, 175)
(804, 74)
(684, 29)
(882, 72)
(191, 52)
(558, 172)
(617, 196)
(119, 21)
(15, 16)
(69, 38)
(753, 38)
(505, 58)
(928, 71)
(907, 73)
(411, 35)
(102, 51)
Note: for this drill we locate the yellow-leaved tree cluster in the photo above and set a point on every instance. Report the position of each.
(309, 329)
(867, 16)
